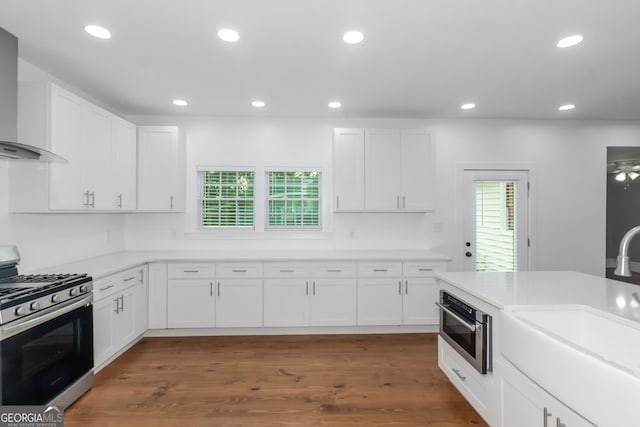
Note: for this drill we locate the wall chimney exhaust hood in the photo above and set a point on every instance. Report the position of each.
(9, 147)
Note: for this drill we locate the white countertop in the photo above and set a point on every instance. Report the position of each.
(105, 265)
(545, 288)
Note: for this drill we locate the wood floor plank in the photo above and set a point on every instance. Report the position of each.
(333, 380)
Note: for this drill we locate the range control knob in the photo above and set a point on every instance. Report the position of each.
(84, 289)
(55, 298)
(73, 292)
(35, 306)
(20, 311)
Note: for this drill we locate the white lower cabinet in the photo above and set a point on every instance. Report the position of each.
(119, 313)
(525, 404)
(333, 302)
(380, 301)
(420, 293)
(191, 303)
(286, 302)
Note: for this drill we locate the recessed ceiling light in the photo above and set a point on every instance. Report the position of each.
(180, 102)
(258, 104)
(335, 104)
(97, 31)
(353, 37)
(566, 107)
(570, 41)
(229, 35)
(468, 106)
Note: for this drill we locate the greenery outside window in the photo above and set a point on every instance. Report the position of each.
(226, 199)
(293, 199)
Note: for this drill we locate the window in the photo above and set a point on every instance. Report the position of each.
(293, 199)
(226, 199)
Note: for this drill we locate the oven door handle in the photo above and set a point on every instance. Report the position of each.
(45, 316)
(466, 324)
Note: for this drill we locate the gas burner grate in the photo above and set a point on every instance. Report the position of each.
(35, 278)
(10, 291)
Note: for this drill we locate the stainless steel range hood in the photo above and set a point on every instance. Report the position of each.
(9, 147)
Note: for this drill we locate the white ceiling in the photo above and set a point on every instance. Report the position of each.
(419, 58)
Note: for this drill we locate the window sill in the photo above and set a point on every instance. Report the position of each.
(239, 234)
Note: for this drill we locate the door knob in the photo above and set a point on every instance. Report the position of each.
(467, 244)
(468, 254)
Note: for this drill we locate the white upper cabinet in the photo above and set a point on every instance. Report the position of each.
(125, 165)
(86, 136)
(383, 170)
(161, 169)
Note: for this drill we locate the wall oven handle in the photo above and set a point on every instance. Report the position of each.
(48, 314)
(466, 324)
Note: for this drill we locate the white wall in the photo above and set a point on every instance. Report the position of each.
(569, 184)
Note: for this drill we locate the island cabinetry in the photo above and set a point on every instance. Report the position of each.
(191, 296)
(238, 294)
(525, 404)
(119, 313)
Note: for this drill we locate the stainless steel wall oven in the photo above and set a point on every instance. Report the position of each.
(467, 330)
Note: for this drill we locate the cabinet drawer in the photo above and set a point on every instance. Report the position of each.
(422, 269)
(287, 269)
(133, 276)
(476, 388)
(239, 269)
(188, 271)
(106, 286)
(379, 269)
(333, 269)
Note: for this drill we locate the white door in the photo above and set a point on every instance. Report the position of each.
(495, 220)
(239, 303)
(191, 304)
(348, 169)
(382, 169)
(380, 301)
(333, 302)
(286, 302)
(417, 174)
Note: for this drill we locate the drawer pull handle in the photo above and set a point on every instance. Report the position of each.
(287, 271)
(425, 269)
(380, 270)
(334, 270)
(457, 372)
(238, 271)
(191, 271)
(545, 414)
(106, 287)
(130, 279)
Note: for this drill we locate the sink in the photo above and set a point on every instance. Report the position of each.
(587, 359)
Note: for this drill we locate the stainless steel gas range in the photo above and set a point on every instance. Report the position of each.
(46, 335)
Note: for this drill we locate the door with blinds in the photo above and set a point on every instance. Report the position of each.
(495, 220)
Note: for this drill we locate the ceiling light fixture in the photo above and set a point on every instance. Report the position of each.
(97, 31)
(468, 106)
(335, 104)
(570, 41)
(258, 104)
(624, 171)
(566, 107)
(353, 37)
(228, 35)
(180, 102)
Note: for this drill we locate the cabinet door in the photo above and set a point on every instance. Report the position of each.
(238, 303)
(103, 329)
(418, 303)
(348, 169)
(158, 168)
(157, 306)
(417, 171)
(382, 169)
(191, 304)
(67, 134)
(125, 318)
(333, 302)
(124, 148)
(286, 302)
(140, 302)
(97, 158)
(379, 301)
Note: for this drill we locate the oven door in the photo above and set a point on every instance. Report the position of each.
(43, 356)
(467, 335)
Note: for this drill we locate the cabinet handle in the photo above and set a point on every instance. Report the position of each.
(93, 199)
(210, 288)
(141, 275)
(337, 202)
(335, 270)
(122, 300)
(546, 414)
(399, 287)
(406, 287)
(238, 271)
(314, 288)
(307, 289)
(129, 279)
(117, 300)
(398, 202)
(106, 287)
(403, 202)
(191, 271)
(218, 288)
(462, 377)
(171, 202)
(86, 202)
(560, 423)
(379, 270)
(120, 200)
(287, 271)
(425, 269)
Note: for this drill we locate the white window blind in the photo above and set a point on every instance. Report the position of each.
(293, 199)
(226, 199)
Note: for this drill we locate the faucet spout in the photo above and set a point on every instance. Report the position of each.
(622, 268)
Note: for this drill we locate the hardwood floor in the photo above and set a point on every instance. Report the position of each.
(336, 380)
